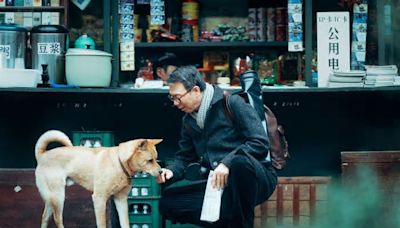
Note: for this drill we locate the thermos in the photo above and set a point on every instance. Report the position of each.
(13, 44)
(49, 45)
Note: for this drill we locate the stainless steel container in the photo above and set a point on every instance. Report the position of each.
(13, 43)
(49, 45)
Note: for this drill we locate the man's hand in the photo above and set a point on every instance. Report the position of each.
(165, 175)
(220, 178)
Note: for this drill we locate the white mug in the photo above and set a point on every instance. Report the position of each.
(139, 82)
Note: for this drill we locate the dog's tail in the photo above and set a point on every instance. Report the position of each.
(48, 137)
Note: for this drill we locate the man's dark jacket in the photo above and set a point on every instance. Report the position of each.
(220, 140)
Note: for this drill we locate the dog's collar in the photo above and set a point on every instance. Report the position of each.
(123, 168)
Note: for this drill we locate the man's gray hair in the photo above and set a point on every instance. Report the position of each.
(189, 76)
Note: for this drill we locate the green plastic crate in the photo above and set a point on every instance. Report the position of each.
(93, 138)
(144, 212)
(144, 186)
(142, 225)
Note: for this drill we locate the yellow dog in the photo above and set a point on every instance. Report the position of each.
(106, 171)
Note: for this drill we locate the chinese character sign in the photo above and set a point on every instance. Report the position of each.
(6, 49)
(333, 44)
(49, 48)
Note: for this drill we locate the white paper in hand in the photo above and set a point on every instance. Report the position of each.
(212, 202)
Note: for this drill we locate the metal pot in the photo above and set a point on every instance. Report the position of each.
(49, 45)
(13, 43)
(88, 68)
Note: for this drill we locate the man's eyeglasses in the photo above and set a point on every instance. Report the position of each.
(178, 97)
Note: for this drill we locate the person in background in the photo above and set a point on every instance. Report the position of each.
(235, 151)
(165, 65)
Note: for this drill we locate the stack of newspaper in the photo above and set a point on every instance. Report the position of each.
(381, 75)
(352, 78)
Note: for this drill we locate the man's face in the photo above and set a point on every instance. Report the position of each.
(186, 100)
(164, 73)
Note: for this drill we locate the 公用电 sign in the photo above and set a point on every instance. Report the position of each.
(333, 44)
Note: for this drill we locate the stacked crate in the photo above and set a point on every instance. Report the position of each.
(93, 138)
(143, 202)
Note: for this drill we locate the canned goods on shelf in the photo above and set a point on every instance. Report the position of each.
(190, 31)
(281, 15)
(281, 32)
(190, 10)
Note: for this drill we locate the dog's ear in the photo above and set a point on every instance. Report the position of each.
(127, 149)
(155, 141)
(143, 144)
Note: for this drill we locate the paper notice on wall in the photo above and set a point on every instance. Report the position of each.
(157, 12)
(295, 25)
(127, 29)
(333, 44)
(212, 201)
(359, 35)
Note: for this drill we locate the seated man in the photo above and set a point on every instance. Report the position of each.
(233, 150)
(165, 65)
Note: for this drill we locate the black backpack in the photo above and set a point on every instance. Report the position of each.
(278, 144)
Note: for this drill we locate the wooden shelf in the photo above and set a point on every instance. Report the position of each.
(62, 9)
(271, 89)
(32, 9)
(211, 44)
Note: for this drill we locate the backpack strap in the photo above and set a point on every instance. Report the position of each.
(229, 115)
(225, 104)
